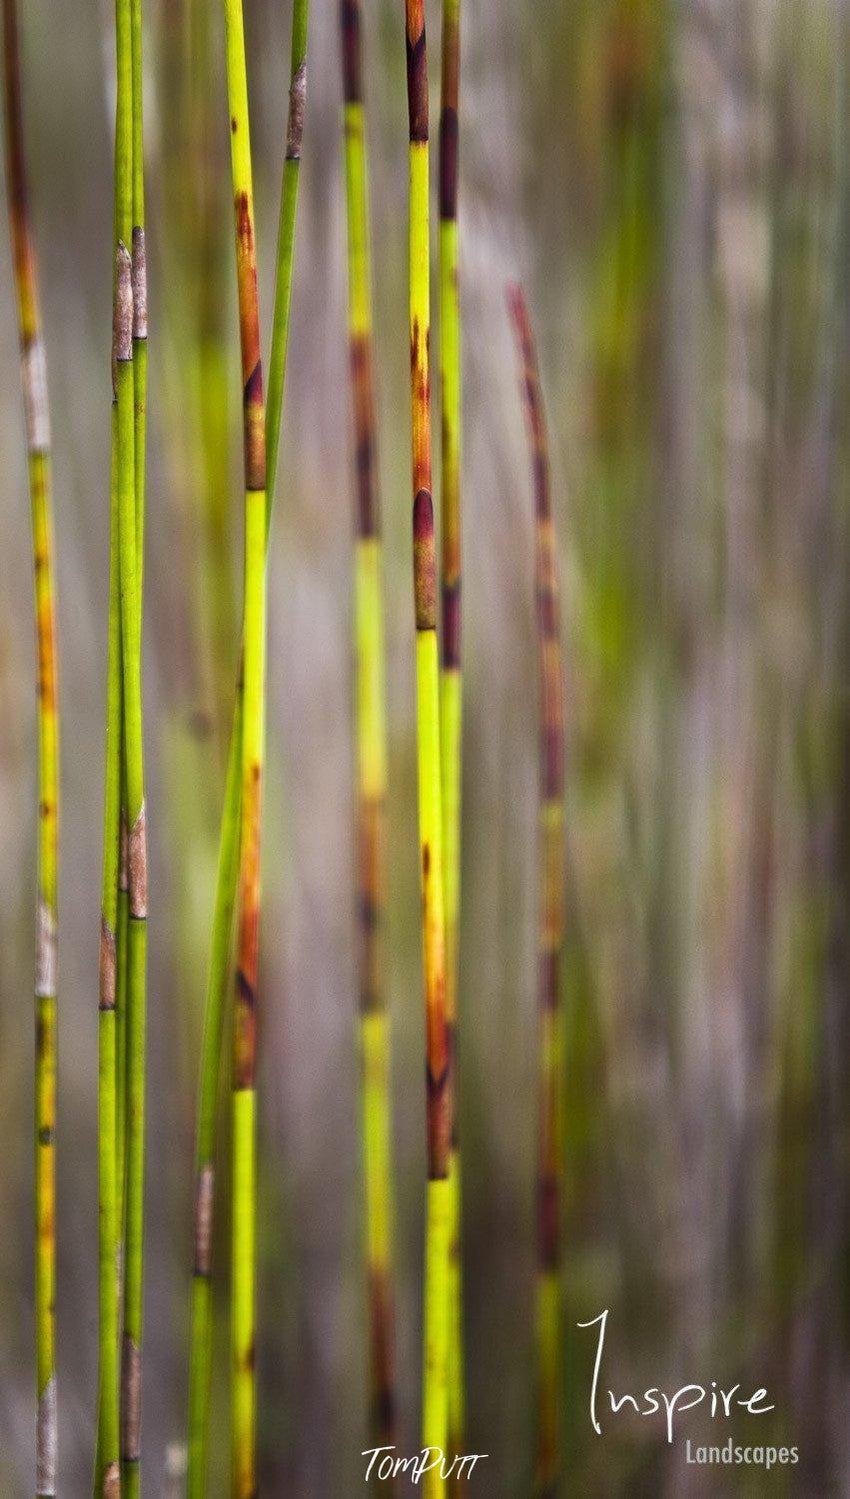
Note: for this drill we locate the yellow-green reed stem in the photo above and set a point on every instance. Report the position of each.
(243, 1311)
(438, 1068)
(370, 735)
(451, 694)
(549, 1308)
(227, 876)
(34, 389)
(131, 531)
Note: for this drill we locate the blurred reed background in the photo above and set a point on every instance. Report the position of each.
(670, 181)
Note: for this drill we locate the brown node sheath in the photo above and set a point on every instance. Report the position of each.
(352, 68)
(255, 430)
(360, 353)
(244, 1050)
(122, 314)
(131, 1403)
(450, 641)
(107, 966)
(45, 951)
(420, 369)
(383, 1360)
(369, 843)
(204, 1196)
(47, 1444)
(417, 71)
(424, 562)
(439, 1100)
(137, 857)
(111, 1481)
(139, 284)
(295, 122)
(46, 683)
(448, 162)
(448, 143)
(244, 1059)
(34, 385)
(246, 275)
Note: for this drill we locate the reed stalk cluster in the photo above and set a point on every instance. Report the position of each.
(233, 973)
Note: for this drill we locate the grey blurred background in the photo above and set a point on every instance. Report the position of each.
(670, 180)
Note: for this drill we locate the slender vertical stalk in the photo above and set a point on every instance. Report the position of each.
(438, 1071)
(243, 1387)
(34, 387)
(131, 533)
(112, 960)
(286, 239)
(451, 694)
(107, 1481)
(137, 910)
(370, 735)
(551, 922)
(227, 876)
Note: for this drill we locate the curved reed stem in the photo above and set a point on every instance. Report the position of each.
(131, 531)
(451, 684)
(370, 735)
(551, 923)
(227, 875)
(34, 388)
(438, 1069)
